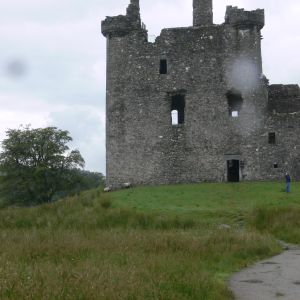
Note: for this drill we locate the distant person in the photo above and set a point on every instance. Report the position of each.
(287, 182)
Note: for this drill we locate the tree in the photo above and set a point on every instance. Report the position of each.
(81, 180)
(86, 180)
(36, 164)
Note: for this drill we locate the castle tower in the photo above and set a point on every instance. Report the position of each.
(248, 26)
(203, 12)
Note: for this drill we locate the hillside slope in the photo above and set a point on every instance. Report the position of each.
(167, 242)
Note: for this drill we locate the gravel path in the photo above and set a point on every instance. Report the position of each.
(274, 278)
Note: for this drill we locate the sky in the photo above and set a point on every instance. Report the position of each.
(52, 59)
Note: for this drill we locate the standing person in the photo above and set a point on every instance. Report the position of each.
(287, 182)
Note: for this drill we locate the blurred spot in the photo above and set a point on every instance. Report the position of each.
(16, 68)
(244, 74)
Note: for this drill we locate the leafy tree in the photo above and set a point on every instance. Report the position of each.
(36, 164)
(88, 180)
(81, 180)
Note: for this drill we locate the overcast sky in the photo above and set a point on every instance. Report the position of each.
(52, 59)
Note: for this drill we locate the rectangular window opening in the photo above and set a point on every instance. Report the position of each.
(272, 138)
(235, 103)
(275, 165)
(163, 69)
(177, 109)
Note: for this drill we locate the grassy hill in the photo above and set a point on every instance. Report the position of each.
(167, 242)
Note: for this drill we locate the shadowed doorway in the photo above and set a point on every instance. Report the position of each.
(233, 170)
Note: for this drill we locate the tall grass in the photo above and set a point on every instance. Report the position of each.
(113, 264)
(282, 222)
(89, 247)
(87, 211)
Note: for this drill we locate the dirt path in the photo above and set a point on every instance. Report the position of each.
(274, 278)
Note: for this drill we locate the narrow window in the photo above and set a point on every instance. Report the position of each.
(276, 166)
(163, 69)
(178, 105)
(272, 138)
(174, 115)
(235, 102)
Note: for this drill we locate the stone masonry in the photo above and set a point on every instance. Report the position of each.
(194, 105)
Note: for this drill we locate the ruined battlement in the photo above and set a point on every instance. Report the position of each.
(284, 98)
(238, 17)
(284, 91)
(122, 25)
(116, 26)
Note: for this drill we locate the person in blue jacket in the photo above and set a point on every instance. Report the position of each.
(287, 182)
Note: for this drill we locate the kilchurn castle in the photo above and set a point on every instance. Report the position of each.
(194, 105)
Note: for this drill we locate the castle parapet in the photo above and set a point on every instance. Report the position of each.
(241, 18)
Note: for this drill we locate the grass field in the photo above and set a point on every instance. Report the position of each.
(163, 242)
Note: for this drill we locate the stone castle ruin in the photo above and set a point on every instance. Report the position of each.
(194, 105)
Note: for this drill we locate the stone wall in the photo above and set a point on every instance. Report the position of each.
(284, 98)
(284, 120)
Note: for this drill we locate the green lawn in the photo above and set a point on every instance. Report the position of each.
(145, 243)
(210, 201)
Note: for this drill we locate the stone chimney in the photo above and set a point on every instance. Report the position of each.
(135, 2)
(203, 12)
(133, 12)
